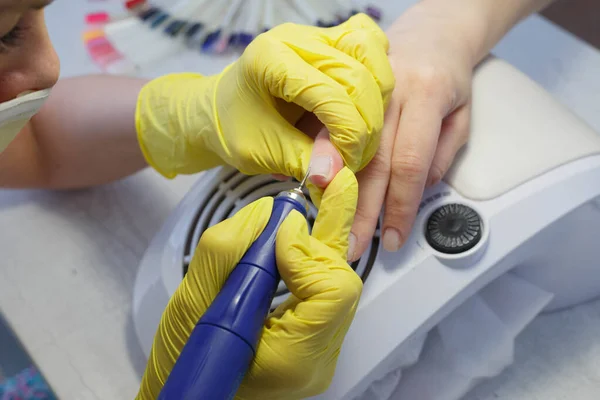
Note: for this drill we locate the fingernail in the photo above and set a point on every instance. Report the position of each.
(391, 240)
(321, 166)
(351, 246)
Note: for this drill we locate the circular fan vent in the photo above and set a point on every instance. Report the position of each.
(229, 192)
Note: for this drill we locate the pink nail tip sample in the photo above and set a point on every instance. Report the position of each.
(97, 18)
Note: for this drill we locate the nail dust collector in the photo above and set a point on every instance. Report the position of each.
(523, 197)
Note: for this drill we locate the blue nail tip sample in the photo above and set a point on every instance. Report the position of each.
(159, 20)
(195, 35)
(193, 29)
(246, 39)
(374, 13)
(175, 27)
(149, 13)
(211, 38)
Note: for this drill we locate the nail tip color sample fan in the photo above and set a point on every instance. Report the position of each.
(149, 33)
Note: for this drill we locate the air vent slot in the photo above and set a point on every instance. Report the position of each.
(229, 192)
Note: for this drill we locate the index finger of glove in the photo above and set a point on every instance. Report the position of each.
(362, 39)
(219, 250)
(359, 21)
(361, 86)
(286, 75)
(222, 246)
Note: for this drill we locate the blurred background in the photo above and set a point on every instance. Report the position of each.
(580, 17)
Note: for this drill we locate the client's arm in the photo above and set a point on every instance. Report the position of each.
(84, 135)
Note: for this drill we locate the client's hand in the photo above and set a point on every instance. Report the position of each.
(301, 340)
(426, 124)
(433, 54)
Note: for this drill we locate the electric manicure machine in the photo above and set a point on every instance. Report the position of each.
(523, 196)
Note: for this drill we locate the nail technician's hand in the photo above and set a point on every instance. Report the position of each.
(297, 354)
(426, 123)
(246, 115)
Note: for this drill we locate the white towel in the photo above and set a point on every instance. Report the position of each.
(475, 342)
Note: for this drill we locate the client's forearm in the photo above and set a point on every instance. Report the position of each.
(484, 22)
(83, 136)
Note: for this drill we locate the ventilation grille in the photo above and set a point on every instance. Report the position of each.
(229, 192)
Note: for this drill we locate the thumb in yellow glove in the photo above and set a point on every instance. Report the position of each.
(245, 116)
(301, 340)
(298, 351)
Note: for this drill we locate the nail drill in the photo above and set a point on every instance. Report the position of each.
(221, 347)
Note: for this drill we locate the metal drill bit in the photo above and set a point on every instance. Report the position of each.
(304, 179)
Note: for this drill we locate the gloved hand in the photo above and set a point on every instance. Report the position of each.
(298, 350)
(245, 116)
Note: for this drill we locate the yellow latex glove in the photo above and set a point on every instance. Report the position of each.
(298, 350)
(245, 116)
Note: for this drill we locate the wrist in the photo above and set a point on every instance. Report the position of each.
(466, 23)
(483, 23)
(174, 123)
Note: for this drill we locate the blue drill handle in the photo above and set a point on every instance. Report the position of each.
(222, 345)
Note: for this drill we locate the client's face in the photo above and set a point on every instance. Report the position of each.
(28, 61)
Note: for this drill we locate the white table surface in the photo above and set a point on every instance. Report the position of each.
(69, 259)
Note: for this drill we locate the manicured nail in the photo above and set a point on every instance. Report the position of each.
(391, 240)
(351, 246)
(321, 166)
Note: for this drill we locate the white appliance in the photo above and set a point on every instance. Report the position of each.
(523, 196)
